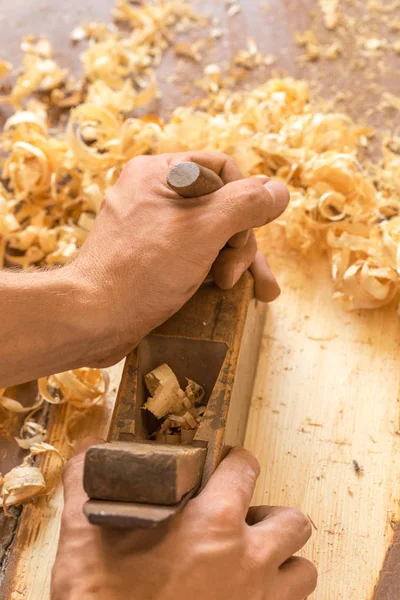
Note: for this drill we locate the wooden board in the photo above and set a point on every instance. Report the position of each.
(327, 385)
(326, 394)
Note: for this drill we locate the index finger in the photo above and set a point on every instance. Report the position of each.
(232, 485)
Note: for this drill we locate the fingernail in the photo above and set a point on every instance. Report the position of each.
(263, 178)
(279, 194)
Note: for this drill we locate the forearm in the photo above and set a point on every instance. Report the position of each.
(146, 255)
(47, 323)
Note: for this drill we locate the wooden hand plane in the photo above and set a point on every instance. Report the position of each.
(214, 340)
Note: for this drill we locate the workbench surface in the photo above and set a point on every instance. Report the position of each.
(327, 386)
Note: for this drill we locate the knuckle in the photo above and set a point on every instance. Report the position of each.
(228, 159)
(137, 165)
(251, 189)
(223, 511)
(253, 198)
(299, 521)
(257, 555)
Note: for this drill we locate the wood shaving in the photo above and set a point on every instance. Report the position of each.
(25, 482)
(330, 11)
(176, 408)
(16, 407)
(190, 51)
(233, 10)
(391, 100)
(5, 68)
(272, 129)
(314, 50)
(309, 41)
(32, 433)
(82, 389)
(252, 58)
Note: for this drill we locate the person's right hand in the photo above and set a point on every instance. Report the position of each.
(150, 250)
(216, 549)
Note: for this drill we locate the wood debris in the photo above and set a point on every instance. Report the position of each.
(358, 468)
(25, 482)
(251, 57)
(233, 10)
(5, 68)
(31, 433)
(309, 41)
(190, 51)
(53, 183)
(81, 389)
(330, 11)
(314, 50)
(391, 100)
(176, 408)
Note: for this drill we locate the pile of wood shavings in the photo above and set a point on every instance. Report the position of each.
(82, 389)
(176, 408)
(53, 181)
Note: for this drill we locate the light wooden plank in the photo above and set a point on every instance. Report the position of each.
(327, 393)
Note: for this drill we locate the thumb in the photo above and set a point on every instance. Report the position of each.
(74, 494)
(234, 481)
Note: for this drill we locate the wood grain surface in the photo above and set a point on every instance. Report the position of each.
(327, 394)
(327, 386)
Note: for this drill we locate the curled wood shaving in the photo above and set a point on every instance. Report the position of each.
(14, 406)
(31, 433)
(40, 73)
(25, 482)
(81, 388)
(173, 406)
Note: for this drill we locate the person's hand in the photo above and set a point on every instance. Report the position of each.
(216, 549)
(150, 251)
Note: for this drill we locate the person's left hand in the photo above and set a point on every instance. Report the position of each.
(215, 549)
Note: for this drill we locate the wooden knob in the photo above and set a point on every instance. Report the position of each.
(190, 180)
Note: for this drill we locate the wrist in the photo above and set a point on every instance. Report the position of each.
(111, 326)
(82, 310)
(90, 313)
